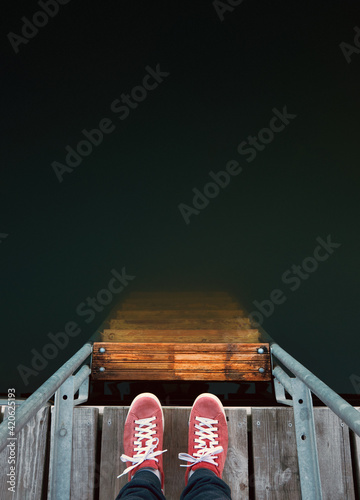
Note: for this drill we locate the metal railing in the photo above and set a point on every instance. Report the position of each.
(63, 379)
(300, 388)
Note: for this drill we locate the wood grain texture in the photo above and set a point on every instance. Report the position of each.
(30, 461)
(175, 441)
(241, 348)
(180, 299)
(171, 314)
(236, 473)
(275, 455)
(181, 324)
(171, 361)
(276, 472)
(85, 427)
(180, 336)
(333, 444)
(111, 449)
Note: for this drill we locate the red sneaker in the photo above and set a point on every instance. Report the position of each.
(143, 435)
(208, 436)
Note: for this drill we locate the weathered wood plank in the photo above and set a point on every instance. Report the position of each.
(355, 442)
(276, 472)
(171, 314)
(333, 444)
(186, 376)
(140, 356)
(180, 299)
(113, 347)
(85, 426)
(179, 306)
(30, 460)
(111, 449)
(275, 455)
(181, 324)
(237, 463)
(181, 336)
(175, 441)
(206, 366)
(123, 367)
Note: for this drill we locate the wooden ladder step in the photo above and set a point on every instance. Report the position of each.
(181, 336)
(181, 361)
(175, 305)
(181, 324)
(180, 296)
(174, 314)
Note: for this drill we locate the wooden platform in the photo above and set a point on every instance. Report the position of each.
(181, 336)
(261, 461)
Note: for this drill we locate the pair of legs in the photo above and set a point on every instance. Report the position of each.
(143, 450)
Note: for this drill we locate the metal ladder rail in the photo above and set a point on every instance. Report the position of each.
(65, 385)
(300, 388)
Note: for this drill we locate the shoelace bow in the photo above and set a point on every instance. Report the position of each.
(144, 431)
(206, 431)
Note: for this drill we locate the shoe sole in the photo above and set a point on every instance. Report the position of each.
(149, 395)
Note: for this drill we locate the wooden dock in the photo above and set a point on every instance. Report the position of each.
(261, 462)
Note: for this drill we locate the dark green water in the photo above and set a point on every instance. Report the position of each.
(220, 84)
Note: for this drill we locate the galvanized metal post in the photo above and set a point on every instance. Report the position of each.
(61, 442)
(61, 433)
(306, 441)
(282, 381)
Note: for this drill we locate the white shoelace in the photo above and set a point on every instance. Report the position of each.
(206, 431)
(144, 451)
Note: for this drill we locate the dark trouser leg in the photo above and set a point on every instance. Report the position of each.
(143, 486)
(205, 485)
